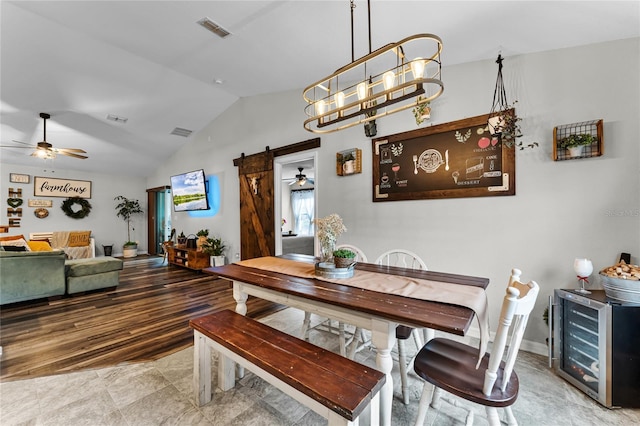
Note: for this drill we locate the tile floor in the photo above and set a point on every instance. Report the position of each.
(159, 392)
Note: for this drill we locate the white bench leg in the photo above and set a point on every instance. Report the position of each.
(226, 373)
(201, 369)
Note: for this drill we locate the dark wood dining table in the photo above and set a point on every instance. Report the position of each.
(371, 310)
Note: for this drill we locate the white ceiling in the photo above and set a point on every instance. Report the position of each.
(150, 62)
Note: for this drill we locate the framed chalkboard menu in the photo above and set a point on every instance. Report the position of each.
(450, 160)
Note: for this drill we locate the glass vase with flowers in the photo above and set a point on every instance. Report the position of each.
(328, 230)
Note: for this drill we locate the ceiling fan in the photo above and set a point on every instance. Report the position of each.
(45, 150)
(301, 179)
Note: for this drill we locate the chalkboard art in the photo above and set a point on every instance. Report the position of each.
(450, 160)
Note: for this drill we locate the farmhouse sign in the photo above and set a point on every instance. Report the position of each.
(52, 187)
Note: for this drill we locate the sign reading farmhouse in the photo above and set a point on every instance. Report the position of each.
(52, 187)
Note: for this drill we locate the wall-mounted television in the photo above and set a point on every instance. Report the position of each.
(189, 191)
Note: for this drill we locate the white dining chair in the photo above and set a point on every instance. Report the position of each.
(450, 365)
(405, 259)
(327, 324)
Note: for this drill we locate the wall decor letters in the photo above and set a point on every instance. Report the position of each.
(53, 187)
(14, 201)
(450, 160)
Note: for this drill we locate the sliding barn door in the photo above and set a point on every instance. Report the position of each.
(257, 237)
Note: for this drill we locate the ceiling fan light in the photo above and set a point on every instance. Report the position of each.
(302, 181)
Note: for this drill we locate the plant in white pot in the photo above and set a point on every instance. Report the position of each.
(215, 248)
(576, 143)
(125, 209)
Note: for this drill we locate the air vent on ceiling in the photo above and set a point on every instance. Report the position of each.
(213, 27)
(117, 119)
(181, 132)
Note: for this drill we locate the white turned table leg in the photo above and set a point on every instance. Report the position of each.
(383, 336)
(241, 308)
(240, 298)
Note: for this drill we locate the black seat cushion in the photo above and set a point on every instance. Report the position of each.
(451, 366)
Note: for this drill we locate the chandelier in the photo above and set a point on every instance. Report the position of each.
(381, 83)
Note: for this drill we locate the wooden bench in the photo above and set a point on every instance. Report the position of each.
(333, 386)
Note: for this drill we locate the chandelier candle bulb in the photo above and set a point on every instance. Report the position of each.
(339, 99)
(388, 80)
(362, 90)
(417, 68)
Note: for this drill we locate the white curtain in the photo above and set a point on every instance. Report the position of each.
(302, 206)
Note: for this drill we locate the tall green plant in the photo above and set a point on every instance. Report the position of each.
(125, 209)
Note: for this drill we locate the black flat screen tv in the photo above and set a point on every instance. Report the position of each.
(189, 191)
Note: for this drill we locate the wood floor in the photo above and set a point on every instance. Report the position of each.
(145, 318)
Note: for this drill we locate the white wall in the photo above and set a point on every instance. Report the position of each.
(561, 210)
(105, 226)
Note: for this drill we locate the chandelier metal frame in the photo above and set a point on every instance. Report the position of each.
(354, 95)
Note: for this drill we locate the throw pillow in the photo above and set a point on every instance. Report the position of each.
(15, 243)
(12, 237)
(39, 245)
(79, 238)
(14, 248)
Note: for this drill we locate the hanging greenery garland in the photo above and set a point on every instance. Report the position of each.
(83, 212)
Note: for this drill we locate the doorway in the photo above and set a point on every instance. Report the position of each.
(158, 218)
(296, 203)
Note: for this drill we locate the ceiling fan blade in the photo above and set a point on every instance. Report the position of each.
(78, 150)
(14, 146)
(23, 143)
(310, 181)
(71, 154)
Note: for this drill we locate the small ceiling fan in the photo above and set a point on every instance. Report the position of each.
(45, 150)
(301, 179)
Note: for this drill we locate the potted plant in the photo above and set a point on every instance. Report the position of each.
(202, 237)
(575, 143)
(505, 124)
(214, 247)
(348, 164)
(422, 110)
(343, 258)
(125, 209)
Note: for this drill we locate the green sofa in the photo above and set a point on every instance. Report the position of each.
(31, 275)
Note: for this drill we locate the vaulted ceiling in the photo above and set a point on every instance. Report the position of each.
(150, 62)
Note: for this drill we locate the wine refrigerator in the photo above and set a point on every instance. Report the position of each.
(595, 345)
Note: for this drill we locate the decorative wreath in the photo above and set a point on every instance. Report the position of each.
(83, 212)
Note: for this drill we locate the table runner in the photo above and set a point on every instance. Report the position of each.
(471, 297)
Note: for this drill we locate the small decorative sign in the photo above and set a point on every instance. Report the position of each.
(40, 203)
(19, 178)
(53, 187)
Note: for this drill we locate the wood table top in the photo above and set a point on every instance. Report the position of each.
(403, 310)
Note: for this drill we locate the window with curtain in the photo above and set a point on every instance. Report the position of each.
(302, 206)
